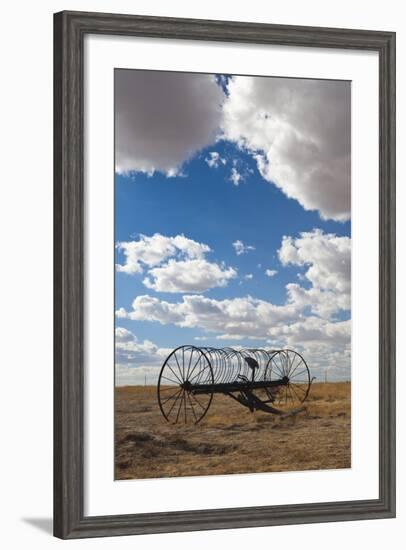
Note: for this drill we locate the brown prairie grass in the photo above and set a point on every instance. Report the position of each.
(230, 439)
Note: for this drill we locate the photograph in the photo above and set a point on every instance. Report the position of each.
(207, 218)
(232, 275)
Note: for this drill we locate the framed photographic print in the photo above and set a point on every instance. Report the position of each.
(224, 275)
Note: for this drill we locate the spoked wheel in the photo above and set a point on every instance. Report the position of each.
(290, 364)
(183, 369)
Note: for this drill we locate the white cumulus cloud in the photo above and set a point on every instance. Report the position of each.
(244, 316)
(327, 258)
(152, 251)
(299, 132)
(173, 264)
(188, 276)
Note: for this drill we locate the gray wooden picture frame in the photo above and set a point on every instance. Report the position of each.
(69, 31)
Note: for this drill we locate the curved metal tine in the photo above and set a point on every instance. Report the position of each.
(207, 354)
(193, 349)
(273, 368)
(221, 366)
(279, 361)
(232, 366)
(235, 360)
(211, 356)
(204, 375)
(265, 358)
(267, 369)
(257, 357)
(244, 369)
(283, 361)
(263, 364)
(228, 371)
(243, 365)
(198, 375)
(215, 364)
(269, 366)
(206, 378)
(247, 371)
(228, 364)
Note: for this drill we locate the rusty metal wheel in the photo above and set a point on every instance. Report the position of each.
(184, 367)
(290, 364)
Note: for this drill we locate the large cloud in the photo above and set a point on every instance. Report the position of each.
(163, 118)
(245, 316)
(328, 261)
(173, 264)
(299, 132)
(188, 276)
(152, 251)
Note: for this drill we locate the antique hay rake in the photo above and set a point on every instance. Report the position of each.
(273, 381)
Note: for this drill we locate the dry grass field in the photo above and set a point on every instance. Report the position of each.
(231, 439)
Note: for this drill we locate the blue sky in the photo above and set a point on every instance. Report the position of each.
(223, 192)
